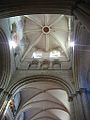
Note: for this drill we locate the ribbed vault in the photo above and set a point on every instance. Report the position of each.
(47, 33)
(43, 98)
(38, 102)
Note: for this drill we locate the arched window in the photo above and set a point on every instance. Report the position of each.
(37, 54)
(54, 54)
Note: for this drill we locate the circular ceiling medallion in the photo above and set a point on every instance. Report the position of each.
(45, 29)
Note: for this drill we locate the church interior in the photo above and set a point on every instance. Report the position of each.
(45, 60)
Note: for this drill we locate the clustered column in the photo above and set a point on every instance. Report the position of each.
(79, 105)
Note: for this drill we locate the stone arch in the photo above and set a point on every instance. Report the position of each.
(25, 82)
(68, 87)
(60, 103)
(4, 60)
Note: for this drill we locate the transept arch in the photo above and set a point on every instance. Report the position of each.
(42, 89)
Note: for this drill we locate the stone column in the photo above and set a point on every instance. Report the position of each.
(85, 103)
(77, 108)
(75, 103)
(80, 106)
(72, 109)
(5, 98)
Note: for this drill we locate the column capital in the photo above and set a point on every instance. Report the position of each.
(70, 98)
(81, 90)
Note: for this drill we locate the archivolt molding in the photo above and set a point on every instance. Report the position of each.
(68, 87)
(5, 55)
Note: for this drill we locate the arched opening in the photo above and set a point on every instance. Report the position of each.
(41, 97)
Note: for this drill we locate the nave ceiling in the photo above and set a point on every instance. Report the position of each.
(46, 72)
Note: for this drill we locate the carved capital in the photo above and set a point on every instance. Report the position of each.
(81, 90)
(71, 97)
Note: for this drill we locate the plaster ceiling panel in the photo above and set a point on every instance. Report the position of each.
(61, 23)
(33, 36)
(53, 44)
(50, 18)
(45, 118)
(43, 104)
(62, 115)
(39, 18)
(61, 38)
(27, 94)
(30, 23)
(30, 113)
(45, 113)
(42, 43)
(45, 96)
(61, 96)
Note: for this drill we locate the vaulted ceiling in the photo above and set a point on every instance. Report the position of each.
(39, 39)
(43, 38)
(46, 102)
(47, 33)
